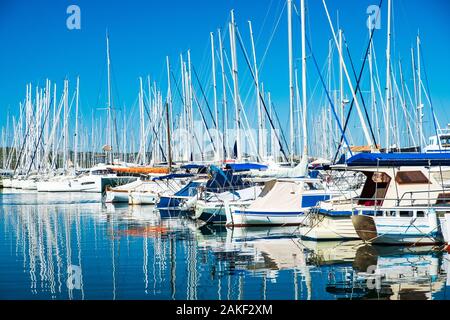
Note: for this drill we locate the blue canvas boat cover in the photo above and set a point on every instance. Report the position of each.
(239, 167)
(399, 159)
(193, 166)
(224, 180)
(188, 190)
(173, 176)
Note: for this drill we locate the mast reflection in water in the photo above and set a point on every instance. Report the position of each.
(70, 246)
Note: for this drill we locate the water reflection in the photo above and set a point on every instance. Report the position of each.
(135, 252)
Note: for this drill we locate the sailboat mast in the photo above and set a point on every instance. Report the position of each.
(388, 78)
(216, 111)
(261, 147)
(65, 127)
(304, 96)
(291, 82)
(75, 162)
(419, 94)
(341, 81)
(232, 30)
(224, 98)
(142, 121)
(109, 131)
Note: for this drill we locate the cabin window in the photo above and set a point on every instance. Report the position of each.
(445, 141)
(375, 189)
(406, 214)
(411, 177)
(443, 198)
(391, 213)
(420, 214)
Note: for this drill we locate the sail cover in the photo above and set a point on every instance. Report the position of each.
(283, 196)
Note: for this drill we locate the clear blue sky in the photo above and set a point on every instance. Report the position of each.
(35, 43)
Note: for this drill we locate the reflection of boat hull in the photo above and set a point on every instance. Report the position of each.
(408, 272)
(396, 231)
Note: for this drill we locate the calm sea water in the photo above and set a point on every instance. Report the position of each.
(70, 246)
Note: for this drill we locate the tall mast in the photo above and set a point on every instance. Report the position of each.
(142, 122)
(224, 98)
(169, 145)
(304, 160)
(349, 83)
(232, 26)
(75, 162)
(184, 114)
(261, 147)
(388, 78)
(216, 111)
(169, 92)
(419, 94)
(65, 127)
(341, 81)
(291, 81)
(372, 89)
(109, 131)
(191, 104)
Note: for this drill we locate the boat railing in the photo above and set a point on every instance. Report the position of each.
(429, 199)
(378, 202)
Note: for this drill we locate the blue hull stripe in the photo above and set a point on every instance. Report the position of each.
(263, 213)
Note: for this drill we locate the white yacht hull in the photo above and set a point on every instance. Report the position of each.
(242, 218)
(142, 198)
(398, 230)
(115, 196)
(56, 186)
(327, 228)
(6, 183)
(28, 185)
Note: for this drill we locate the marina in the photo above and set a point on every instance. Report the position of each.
(319, 173)
(137, 253)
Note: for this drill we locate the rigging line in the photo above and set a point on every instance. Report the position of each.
(155, 136)
(26, 136)
(360, 92)
(155, 133)
(204, 120)
(422, 60)
(260, 95)
(283, 136)
(327, 93)
(263, 59)
(357, 87)
(39, 139)
(265, 20)
(203, 94)
(428, 93)
(182, 100)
